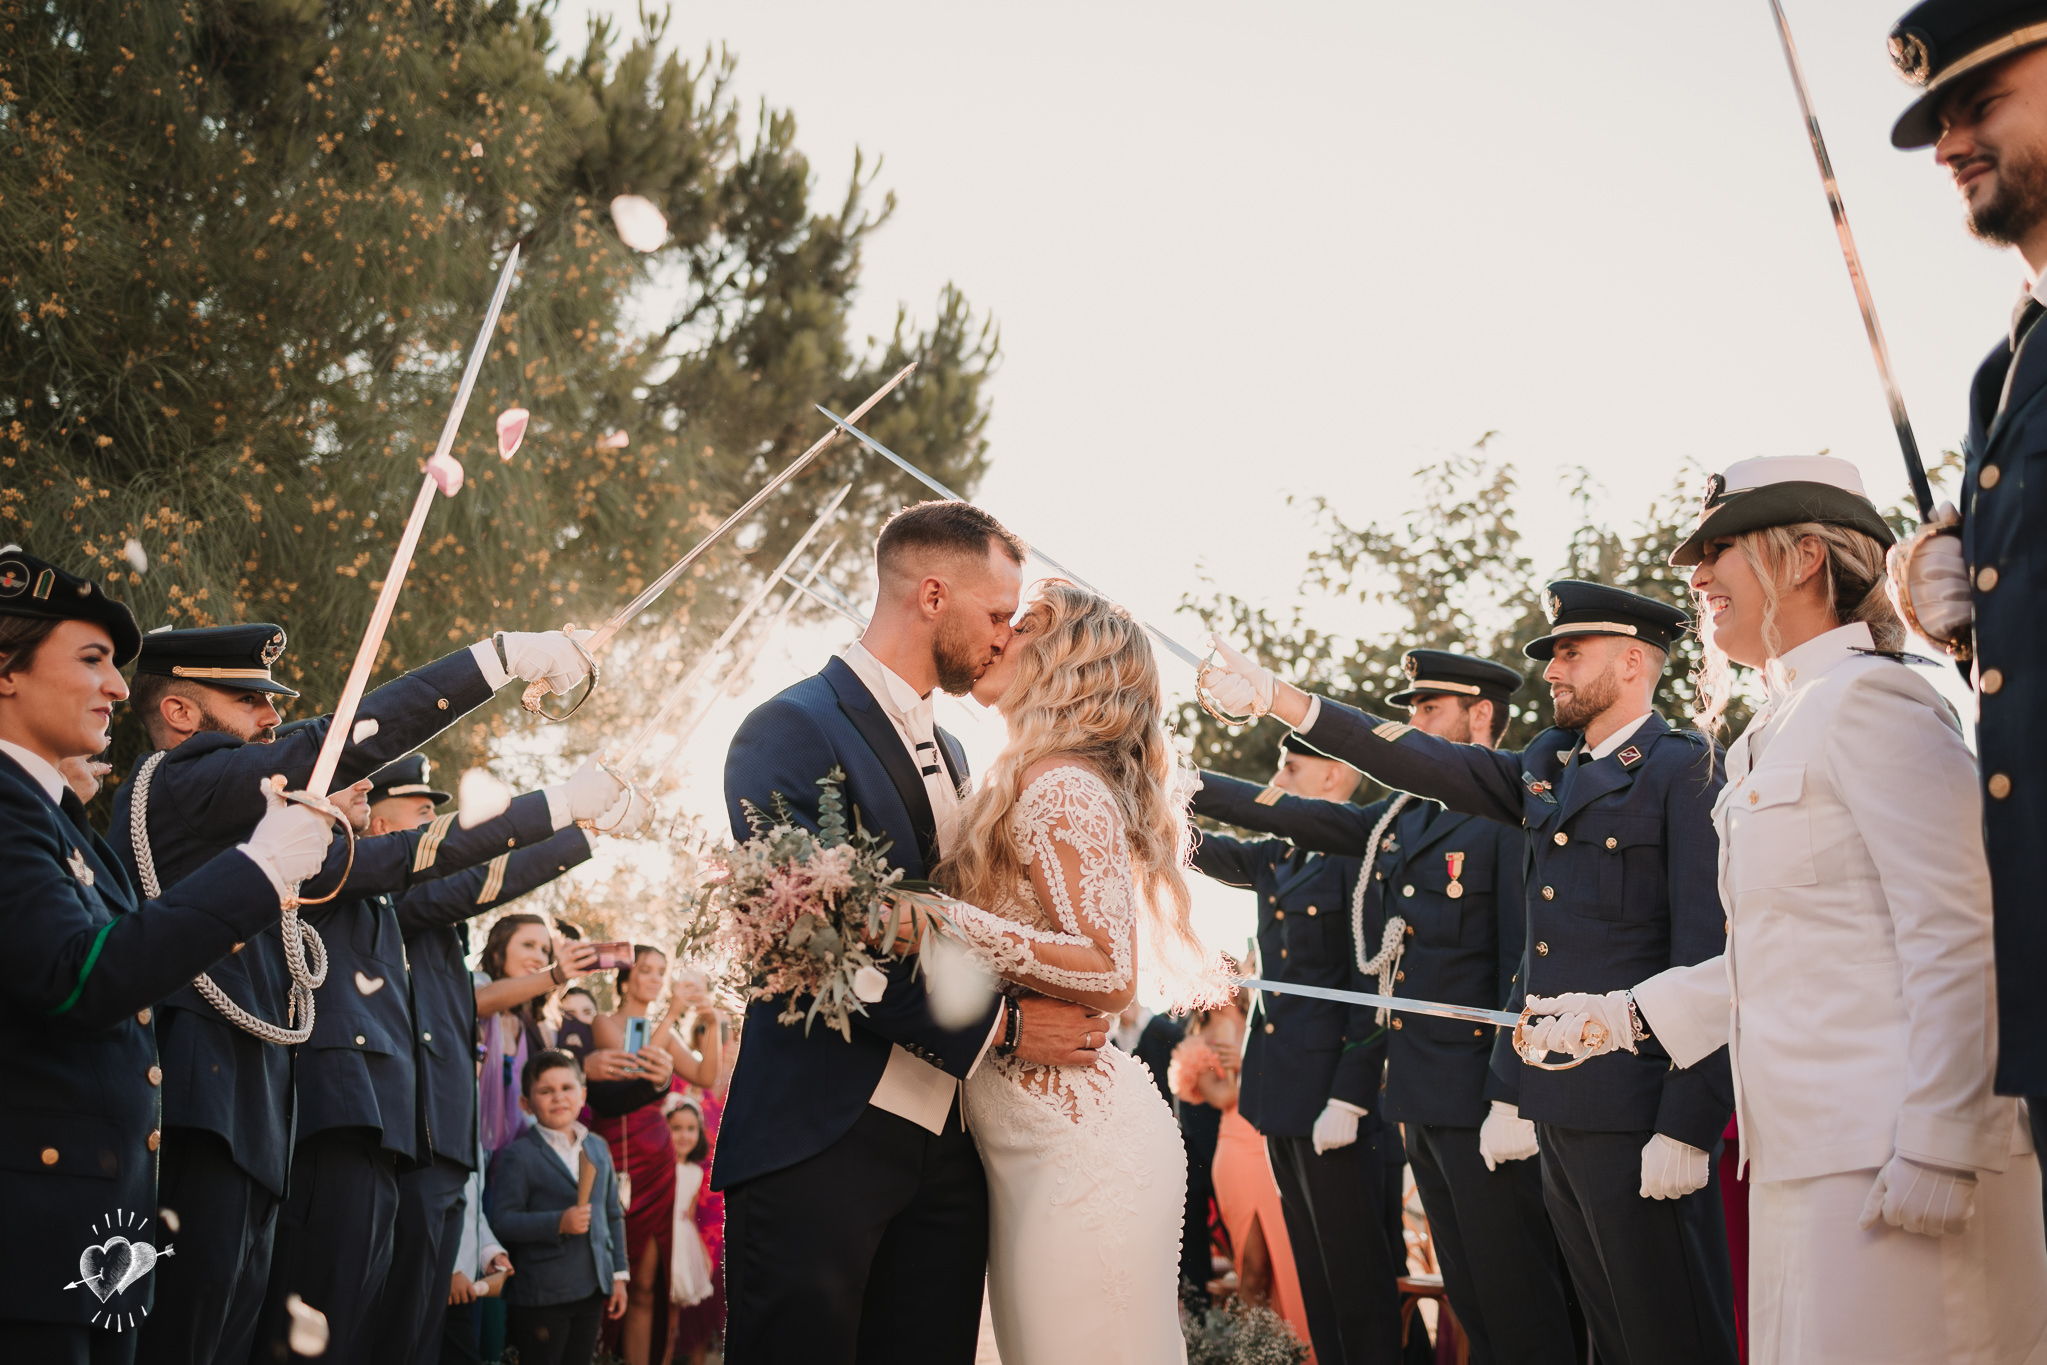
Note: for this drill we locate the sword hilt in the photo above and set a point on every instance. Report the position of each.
(1201, 694)
(333, 812)
(538, 690)
(1595, 1033)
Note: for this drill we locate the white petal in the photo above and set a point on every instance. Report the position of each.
(641, 226)
(480, 797)
(137, 558)
(958, 985)
(870, 984)
(447, 472)
(308, 1336)
(364, 729)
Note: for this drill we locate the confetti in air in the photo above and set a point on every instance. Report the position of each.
(475, 149)
(308, 1336)
(447, 472)
(480, 797)
(511, 431)
(641, 226)
(137, 558)
(614, 440)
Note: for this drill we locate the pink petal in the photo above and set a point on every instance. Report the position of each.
(511, 431)
(614, 440)
(447, 472)
(641, 226)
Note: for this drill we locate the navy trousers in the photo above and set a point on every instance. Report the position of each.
(1342, 1214)
(65, 1343)
(424, 1242)
(333, 1244)
(208, 1295)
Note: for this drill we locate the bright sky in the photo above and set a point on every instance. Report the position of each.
(1245, 252)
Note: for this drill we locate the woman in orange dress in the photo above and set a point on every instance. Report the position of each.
(1204, 1070)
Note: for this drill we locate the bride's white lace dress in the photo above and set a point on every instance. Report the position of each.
(1086, 1172)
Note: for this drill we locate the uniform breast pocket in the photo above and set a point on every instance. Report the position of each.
(1619, 872)
(1307, 934)
(1769, 829)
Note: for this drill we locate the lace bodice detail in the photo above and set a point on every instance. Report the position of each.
(1068, 830)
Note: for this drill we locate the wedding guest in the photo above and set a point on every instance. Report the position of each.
(691, 1280)
(568, 1252)
(701, 1325)
(479, 1256)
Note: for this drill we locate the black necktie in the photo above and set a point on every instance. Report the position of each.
(2022, 319)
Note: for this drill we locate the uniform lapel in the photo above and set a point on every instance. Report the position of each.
(1446, 823)
(880, 733)
(2021, 384)
(1303, 870)
(1615, 772)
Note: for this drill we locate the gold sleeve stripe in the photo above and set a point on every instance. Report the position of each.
(430, 842)
(1269, 797)
(494, 881)
(1391, 730)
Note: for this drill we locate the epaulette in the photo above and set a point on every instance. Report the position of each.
(1896, 656)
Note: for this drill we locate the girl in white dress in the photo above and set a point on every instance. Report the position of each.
(689, 1275)
(1078, 833)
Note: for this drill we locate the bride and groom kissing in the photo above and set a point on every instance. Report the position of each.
(871, 1183)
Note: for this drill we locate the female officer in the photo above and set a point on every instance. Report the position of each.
(1895, 1200)
(78, 1121)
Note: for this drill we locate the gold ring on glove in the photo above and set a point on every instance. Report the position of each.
(334, 813)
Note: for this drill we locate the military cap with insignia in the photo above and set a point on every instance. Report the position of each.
(407, 776)
(236, 657)
(1436, 672)
(1574, 607)
(39, 590)
(1782, 490)
(1940, 42)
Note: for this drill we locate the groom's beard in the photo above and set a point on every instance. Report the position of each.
(959, 659)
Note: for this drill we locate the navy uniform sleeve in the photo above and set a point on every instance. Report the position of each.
(450, 900)
(1317, 826)
(1697, 1101)
(74, 969)
(1233, 861)
(392, 863)
(1465, 777)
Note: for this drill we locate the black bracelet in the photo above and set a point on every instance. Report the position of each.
(1012, 1027)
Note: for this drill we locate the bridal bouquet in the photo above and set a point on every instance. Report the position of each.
(798, 914)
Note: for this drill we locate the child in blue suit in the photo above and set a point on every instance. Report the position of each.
(569, 1256)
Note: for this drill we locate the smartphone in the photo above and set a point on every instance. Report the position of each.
(612, 956)
(638, 1032)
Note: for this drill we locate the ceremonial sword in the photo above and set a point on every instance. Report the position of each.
(846, 424)
(530, 699)
(1471, 1014)
(1915, 468)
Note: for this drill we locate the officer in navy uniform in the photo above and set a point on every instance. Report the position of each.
(89, 959)
(433, 917)
(1976, 581)
(1622, 883)
(1312, 1071)
(208, 700)
(358, 1120)
(1454, 884)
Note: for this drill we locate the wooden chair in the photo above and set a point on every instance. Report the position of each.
(1424, 1282)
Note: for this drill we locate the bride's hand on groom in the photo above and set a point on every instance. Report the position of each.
(1059, 1032)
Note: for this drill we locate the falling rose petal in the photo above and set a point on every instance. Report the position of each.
(511, 431)
(169, 1219)
(480, 797)
(308, 1336)
(870, 984)
(447, 472)
(641, 226)
(475, 149)
(133, 552)
(614, 440)
(365, 729)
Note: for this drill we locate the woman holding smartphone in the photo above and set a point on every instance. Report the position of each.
(640, 1146)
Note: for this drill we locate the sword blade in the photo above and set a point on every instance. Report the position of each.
(1469, 1013)
(1187, 655)
(401, 559)
(660, 585)
(1908, 444)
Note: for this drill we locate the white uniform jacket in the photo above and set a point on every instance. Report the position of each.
(1857, 993)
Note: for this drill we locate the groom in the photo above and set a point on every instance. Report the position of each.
(856, 1211)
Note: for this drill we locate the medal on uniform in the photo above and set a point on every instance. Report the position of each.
(78, 868)
(1455, 862)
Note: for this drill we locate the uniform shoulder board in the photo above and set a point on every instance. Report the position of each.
(1897, 656)
(1391, 730)
(1270, 796)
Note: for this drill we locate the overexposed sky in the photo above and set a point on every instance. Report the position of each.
(1240, 252)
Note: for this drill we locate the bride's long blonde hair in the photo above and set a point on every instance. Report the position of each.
(1087, 687)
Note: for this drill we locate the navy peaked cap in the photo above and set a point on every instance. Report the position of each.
(39, 590)
(234, 657)
(1439, 672)
(1942, 41)
(407, 776)
(1575, 607)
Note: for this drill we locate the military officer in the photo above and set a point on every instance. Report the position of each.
(1312, 1069)
(1448, 886)
(208, 700)
(81, 1123)
(1975, 580)
(1623, 857)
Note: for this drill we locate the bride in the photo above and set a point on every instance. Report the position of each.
(1076, 834)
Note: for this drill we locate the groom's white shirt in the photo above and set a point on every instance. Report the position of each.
(912, 1088)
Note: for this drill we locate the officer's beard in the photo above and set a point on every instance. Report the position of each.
(1579, 706)
(2020, 202)
(211, 723)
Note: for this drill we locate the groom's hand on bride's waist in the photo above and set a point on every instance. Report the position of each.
(1059, 1032)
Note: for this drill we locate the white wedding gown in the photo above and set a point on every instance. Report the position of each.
(1086, 1172)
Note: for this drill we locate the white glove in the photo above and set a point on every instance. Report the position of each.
(588, 794)
(1336, 1126)
(547, 656)
(1239, 684)
(289, 843)
(1938, 588)
(1922, 1199)
(1672, 1169)
(624, 817)
(1573, 1011)
(1506, 1136)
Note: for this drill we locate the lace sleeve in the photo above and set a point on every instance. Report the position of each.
(1071, 838)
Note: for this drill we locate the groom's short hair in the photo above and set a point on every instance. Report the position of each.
(945, 528)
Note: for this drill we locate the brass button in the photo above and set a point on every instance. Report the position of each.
(360, 1040)
(1282, 952)
(143, 1016)
(1279, 914)
(1478, 1033)
(155, 1139)
(1273, 900)
(1790, 675)
(1311, 909)
(1993, 679)
(1549, 893)
(1612, 842)
(1727, 926)
(1268, 1028)
(1562, 839)
(2000, 786)
(511, 843)
(1986, 578)
(1751, 798)
(1989, 476)
(155, 1074)
(1410, 931)
(49, 1156)
(1407, 890)
(238, 947)
(1542, 950)
(1396, 1023)
(1400, 976)
(442, 703)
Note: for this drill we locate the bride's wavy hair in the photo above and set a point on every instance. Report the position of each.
(1852, 572)
(1087, 687)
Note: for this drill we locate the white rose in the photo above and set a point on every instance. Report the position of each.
(870, 983)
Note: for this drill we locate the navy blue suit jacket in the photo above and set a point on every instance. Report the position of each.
(796, 1093)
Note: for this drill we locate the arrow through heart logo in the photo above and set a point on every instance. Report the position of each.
(115, 1264)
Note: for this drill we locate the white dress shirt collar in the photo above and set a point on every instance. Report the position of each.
(1618, 737)
(567, 1144)
(897, 697)
(1785, 673)
(38, 768)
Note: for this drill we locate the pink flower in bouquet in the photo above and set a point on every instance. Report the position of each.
(788, 896)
